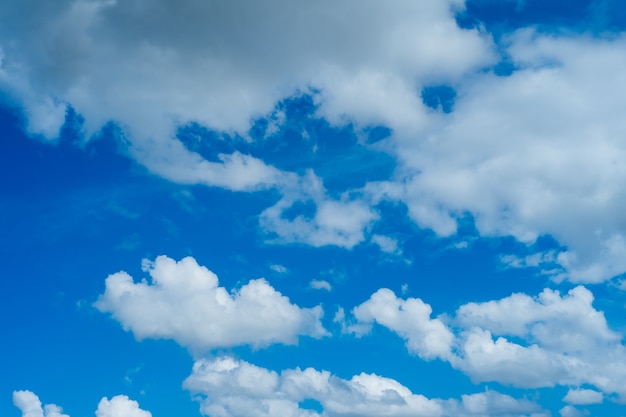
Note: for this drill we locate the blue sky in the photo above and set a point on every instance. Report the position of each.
(287, 208)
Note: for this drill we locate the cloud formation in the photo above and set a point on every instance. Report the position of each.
(30, 405)
(523, 341)
(118, 406)
(183, 302)
(410, 319)
(235, 388)
(537, 152)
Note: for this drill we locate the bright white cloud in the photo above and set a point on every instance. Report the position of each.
(524, 341)
(583, 397)
(120, 406)
(30, 405)
(410, 318)
(183, 302)
(567, 323)
(233, 388)
(564, 341)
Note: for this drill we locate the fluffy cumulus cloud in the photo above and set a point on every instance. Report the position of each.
(411, 319)
(184, 302)
(118, 406)
(523, 341)
(566, 341)
(232, 388)
(30, 405)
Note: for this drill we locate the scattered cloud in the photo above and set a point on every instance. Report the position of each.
(183, 302)
(387, 244)
(411, 319)
(120, 406)
(233, 388)
(340, 222)
(530, 154)
(279, 269)
(583, 397)
(30, 406)
(523, 341)
(320, 284)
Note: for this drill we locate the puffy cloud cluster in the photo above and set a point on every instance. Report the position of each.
(427, 337)
(184, 302)
(537, 152)
(524, 341)
(118, 406)
(233, 388)
(30, 405)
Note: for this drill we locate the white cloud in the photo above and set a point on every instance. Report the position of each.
(30, 405)
(410, 318)
(120, 406)
(280, 269)
(569, 411)
(320, 284)
(523, 341)
(386, 244)
(492, 404)
(341, 222)
(222, 64)
(184, 302)
(583, 397)
(555, 340)
(568, 323)
(534, 153)
(234, 388)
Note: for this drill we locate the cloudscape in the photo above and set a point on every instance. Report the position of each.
(243, 208)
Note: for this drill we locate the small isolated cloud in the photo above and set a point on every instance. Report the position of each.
(320, 284)
(410, 319)
(236, 388)
(583, 397)
(280, 269)
(30, 406)
(182, 301)
(386, 244)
